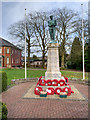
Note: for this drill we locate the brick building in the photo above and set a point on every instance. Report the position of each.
(10, 55)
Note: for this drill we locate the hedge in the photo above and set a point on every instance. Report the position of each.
(3, 81)
(3, 111)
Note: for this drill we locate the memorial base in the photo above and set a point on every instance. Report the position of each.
(53, 71)
(52, 75)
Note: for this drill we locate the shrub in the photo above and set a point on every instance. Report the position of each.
(62, 68)
(4, 111)
(3, 76)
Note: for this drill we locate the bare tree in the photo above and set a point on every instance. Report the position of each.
(39, 21)
(67, 21)
(79, 29)
(37, 34)
(17, 31)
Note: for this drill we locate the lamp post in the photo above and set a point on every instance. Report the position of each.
(83, 42)
(25, 45)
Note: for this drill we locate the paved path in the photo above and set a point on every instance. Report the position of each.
(33, 108)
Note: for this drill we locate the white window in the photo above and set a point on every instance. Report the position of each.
(12, 60)
(17, 60)
(7, 60)
(0, 50)
(15, 51)
(12, 51)
(7, 50)
(19, 52)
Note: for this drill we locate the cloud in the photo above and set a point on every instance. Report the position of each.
(13, 12)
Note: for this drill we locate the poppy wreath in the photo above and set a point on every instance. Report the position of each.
(68, 90)
(55, 82)
(72, 91)
(40, 78)
(38, 82)
(50, 91)
(58, 90)
(66, 81)
(42, 82)
(69, 93)
(49, 82)
(37, 90)
(61, 82)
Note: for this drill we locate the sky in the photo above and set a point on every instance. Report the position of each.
(12, 12)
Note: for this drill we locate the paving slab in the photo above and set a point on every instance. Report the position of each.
(74, 96)
(44, 108)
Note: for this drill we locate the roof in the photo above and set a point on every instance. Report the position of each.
(32, 60)
(5, 43)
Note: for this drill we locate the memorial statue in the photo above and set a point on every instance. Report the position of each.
(52, 29)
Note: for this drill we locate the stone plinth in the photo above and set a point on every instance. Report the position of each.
(53, 71)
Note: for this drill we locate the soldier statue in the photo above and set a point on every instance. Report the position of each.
(52, 29)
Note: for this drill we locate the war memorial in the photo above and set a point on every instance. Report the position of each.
(54, 82)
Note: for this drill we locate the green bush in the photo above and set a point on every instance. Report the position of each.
(62, 68)
(3, 81)
(4, 111)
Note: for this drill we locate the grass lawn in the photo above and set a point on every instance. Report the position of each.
(19, 73)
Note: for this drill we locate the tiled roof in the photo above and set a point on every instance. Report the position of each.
(5, 43)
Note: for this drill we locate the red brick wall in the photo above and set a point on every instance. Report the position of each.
(16, 56)
(5, 54)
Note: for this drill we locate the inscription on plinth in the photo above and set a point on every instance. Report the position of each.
(52, 76)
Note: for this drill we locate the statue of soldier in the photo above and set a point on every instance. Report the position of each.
(52, 29)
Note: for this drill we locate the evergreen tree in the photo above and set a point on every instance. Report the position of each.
(87, 57)
(76, 54)
(35, 57)
(60, 56)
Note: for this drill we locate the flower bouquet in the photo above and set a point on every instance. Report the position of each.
(63, 95)
(43, 94)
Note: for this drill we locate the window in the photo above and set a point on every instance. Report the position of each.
(15, 61)
(15, 51)
(12, 51)
(0, 50)
(0, 61)
(18, 60)
(7, 60)
(12, 60)
(19, 52)
(7, 50)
